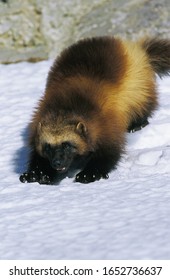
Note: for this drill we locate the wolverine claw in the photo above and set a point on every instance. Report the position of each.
(35, 176)
(24, 177)
(138, 127)
(105, 176)
(44, 179)
(29, 177)
(91, 176)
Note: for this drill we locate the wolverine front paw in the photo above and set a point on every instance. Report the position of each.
(35, 176)
(86, 177)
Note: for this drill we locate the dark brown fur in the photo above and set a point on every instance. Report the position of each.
(158, 51)
(96, 90)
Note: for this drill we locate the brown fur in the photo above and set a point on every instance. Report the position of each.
(158, 51)
(96, 90)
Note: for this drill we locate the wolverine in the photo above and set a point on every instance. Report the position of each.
(97, 90)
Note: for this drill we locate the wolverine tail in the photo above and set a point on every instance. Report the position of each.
(158, 51)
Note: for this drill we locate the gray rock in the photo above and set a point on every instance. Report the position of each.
(129, 19)
(38, 29)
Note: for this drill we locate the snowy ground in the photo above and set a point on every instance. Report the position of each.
(124, 217)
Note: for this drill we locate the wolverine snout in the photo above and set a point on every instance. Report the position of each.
(58, 165)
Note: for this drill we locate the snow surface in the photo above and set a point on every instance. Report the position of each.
(124, 217)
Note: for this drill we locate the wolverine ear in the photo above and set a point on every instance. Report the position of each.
(81, 128)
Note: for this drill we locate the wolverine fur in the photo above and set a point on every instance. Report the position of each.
(97, 90)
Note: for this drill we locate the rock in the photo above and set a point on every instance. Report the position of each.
(129, 19)
(20, 35)
(37, 29)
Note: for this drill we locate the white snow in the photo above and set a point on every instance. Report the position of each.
(124, 217)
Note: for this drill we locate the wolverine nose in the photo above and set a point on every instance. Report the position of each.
(56, 163)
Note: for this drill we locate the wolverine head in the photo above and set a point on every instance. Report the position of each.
(59, 156)
(62, 143)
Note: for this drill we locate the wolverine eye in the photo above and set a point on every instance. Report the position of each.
(47, 147)
(68, 145)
